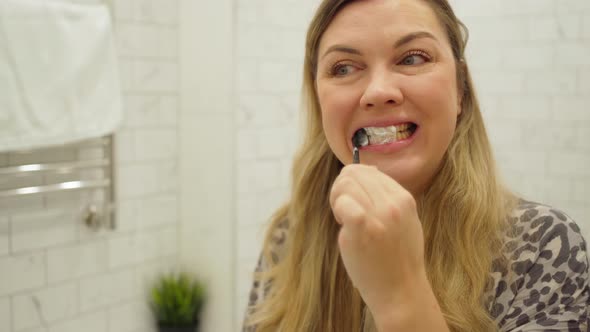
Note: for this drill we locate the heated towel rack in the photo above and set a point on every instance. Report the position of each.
(103, 161)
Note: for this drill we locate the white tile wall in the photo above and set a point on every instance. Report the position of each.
(39, 329)
(94, 322)
(123, 251)
(152, 76)
(537, 75)
(56, 275)
(4, 236)
(583, 79)
(33, 309)
(158, 243)
(531, 63)
(586, 26)
(155, 144)
(130, 175)
(160, 12)
(15, 205)
(535, 99)
(128, 317)
(279, 76)
(21, 272)
(269, 47)
(563, 82)
(147, 40)
(107, 289)
(42, 229)
(259, 176)
(151, 111)
(158, 211)
(5, 315)
(64, 263)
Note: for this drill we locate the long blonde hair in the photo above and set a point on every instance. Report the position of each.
(463, 213)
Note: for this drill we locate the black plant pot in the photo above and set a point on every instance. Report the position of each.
(188, 328)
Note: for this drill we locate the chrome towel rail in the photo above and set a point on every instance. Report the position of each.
(70, 185)
(55, 167)
(96, 217)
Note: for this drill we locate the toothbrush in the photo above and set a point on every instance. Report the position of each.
(366, 136)
(359, 139)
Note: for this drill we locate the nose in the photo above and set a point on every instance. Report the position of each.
(382, 91)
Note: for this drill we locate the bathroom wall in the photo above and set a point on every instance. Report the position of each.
(531, 63)
(207, 155)
(269, 50)
(55, 274)
(530, 60)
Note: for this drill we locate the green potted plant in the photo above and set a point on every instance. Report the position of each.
(176, 299)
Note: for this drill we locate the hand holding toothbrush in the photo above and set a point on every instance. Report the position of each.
(382, 245)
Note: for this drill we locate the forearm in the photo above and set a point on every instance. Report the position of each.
(418, 312)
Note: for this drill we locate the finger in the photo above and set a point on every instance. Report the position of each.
(354, 236)
(348, 212)
(397, 193)
(355, 172)
(348, 185)
(372, 182)
(388, 197)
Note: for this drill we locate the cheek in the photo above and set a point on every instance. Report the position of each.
(439, 90)
(334, 101)
(337, 108)
(436, 97)
(443, 88)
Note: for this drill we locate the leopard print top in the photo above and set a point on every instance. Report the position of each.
(547, 288)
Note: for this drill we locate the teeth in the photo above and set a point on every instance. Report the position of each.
(382, 135)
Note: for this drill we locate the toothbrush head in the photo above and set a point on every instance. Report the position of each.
(360, 138)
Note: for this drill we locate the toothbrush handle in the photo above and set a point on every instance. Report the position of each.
(356, 156)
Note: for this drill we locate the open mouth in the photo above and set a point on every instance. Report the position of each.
(383, 135)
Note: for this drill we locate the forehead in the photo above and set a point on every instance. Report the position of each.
(381, 18)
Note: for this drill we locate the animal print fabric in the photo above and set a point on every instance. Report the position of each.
(547, 288)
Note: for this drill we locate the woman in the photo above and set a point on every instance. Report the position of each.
(420, 236)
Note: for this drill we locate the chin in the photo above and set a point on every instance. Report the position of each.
(399, 175)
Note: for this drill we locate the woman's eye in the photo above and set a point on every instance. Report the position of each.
(342, 70)
(414, 59)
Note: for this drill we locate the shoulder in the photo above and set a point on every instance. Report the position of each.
(271, 254)
(546, 283)
(273, 251)
(542, 234)
(532, 222)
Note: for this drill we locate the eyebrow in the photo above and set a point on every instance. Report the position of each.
(400, 42)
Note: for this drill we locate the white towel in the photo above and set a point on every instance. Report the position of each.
(59, 80)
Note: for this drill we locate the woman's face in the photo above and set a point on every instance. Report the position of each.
(383, 63)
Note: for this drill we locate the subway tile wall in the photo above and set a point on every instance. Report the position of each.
(530, 60)
(56, 275)
(531, 63)
(269, 50)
